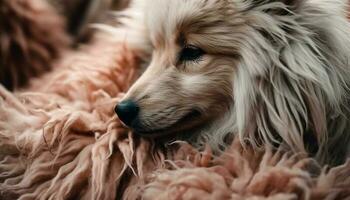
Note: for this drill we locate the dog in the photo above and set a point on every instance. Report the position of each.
(271, 72)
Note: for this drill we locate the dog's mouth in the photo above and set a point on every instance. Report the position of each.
(189, 121)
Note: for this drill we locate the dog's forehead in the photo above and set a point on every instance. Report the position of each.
(166, 19)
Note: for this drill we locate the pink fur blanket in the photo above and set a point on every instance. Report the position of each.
(60, 139)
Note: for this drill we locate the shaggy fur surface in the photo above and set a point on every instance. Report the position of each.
(245, 174)
(59, 139)
(31, 36)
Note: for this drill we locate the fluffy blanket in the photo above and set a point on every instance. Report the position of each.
(59, 139)
(31, 36)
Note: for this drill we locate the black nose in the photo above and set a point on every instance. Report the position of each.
(127, 111)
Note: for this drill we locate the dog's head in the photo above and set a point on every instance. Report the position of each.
(189, 79)
(263, 69)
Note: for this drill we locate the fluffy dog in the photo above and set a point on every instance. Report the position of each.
(271, 71)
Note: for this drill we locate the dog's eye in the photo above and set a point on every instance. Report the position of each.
(190, 53)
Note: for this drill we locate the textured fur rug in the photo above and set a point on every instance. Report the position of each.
(59, 139)
(31, 35)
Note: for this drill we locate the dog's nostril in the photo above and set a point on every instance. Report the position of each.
(127, 111)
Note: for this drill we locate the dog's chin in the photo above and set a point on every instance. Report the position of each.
(190, 121)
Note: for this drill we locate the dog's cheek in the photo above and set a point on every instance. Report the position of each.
(197, 90)
(192, 83)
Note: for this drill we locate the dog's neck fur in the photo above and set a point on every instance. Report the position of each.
(301, 100)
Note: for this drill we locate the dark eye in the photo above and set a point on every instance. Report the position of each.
(190, 53)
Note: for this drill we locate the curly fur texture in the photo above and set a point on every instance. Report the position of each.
(32, 36)
(244, 174)
(60, 139)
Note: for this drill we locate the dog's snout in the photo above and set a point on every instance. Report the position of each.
(127, 111)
